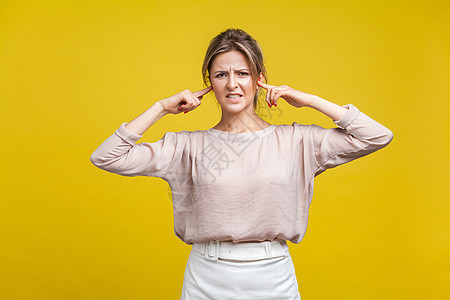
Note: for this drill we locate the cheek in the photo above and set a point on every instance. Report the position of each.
(217, 89)
(215, 85)
(247, 83)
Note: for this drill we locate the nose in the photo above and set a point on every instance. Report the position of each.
(232, 82)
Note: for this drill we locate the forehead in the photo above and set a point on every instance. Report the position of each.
(233, 59)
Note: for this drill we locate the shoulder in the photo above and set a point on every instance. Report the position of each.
(304, 133)
(185, 135)
(296, 128)
(191, 133)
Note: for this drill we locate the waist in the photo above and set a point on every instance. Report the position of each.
(246, 251)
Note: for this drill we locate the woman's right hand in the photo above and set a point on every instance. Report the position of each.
(184, 101)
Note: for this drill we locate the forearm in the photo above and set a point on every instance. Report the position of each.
(328, 108)
(143, 122)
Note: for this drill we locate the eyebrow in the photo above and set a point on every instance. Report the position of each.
(238, 70)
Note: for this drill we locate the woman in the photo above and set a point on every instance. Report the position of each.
(241, 189)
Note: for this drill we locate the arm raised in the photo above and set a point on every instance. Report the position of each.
(120, 154)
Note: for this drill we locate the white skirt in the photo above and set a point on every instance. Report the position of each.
(254, 270)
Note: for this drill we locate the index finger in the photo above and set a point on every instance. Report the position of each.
(266, 86)
(202, 92)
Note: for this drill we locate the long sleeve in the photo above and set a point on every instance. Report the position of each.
(358, 135)
(242, 187)
(120, 154)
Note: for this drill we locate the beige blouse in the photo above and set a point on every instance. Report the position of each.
(240, 187)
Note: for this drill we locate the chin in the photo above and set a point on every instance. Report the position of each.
(236, 108)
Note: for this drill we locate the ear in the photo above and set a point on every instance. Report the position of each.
(261, 77)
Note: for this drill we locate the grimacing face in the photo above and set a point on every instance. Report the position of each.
(232, 82)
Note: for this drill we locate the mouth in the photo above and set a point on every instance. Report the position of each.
(234, 97)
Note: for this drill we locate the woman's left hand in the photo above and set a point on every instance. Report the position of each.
(292, 96)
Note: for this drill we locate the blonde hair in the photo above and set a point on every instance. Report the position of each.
(236, 39)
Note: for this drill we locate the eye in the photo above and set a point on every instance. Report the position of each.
(220, 75)
(244, 73)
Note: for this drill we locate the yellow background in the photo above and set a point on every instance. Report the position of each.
(72, 71)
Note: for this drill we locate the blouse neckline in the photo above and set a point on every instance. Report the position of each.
(227, 135)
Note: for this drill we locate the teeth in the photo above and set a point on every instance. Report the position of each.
(233, 96)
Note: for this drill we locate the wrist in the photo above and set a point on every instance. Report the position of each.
(312, 101)
(160, 109)
(328, 108)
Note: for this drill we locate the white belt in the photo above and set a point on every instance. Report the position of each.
(241, 251)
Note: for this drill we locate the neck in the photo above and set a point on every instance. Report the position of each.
(245, 121)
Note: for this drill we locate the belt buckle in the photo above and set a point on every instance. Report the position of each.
(212, 246)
